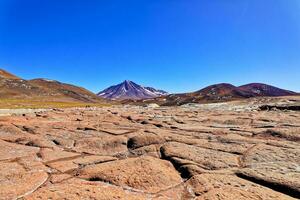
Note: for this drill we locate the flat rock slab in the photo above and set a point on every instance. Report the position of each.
(78, 189)
(228, 187)
(144, 173)
(71, 164)
(51, 155)
(102, 145)
(274, 166)
(283, 176)
(89, 160)
(262, 153)
(11, 151)
(16, 182)
(206, 158)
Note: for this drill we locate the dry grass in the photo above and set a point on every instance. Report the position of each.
(44, 103)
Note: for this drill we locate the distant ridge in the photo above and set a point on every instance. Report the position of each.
(130, 90)
(223, 92)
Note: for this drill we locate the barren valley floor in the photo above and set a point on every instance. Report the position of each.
(219, 151)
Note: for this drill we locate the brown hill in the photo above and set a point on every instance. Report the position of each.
(55, 88)
(4, 74)
(220, 93)
(18, 88)
(213, 93)
(223, 91)
(260, 89)
(12, 87)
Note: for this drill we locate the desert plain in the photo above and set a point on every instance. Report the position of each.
(238, 150)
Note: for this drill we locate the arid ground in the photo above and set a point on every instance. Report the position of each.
(226, 151)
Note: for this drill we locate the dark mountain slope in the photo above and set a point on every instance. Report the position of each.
(130, 90)
(260, 89)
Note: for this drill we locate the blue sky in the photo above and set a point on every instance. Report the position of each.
(176, 45)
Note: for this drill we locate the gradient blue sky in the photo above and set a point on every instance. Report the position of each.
(176, 45)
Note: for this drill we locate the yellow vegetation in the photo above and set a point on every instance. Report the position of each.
(44, 103)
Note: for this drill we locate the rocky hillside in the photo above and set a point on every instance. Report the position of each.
(4, 74)
(12, 87)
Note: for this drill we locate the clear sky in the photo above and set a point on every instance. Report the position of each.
(176, 45)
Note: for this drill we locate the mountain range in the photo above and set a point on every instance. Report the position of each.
(14, 87)
(224, 92)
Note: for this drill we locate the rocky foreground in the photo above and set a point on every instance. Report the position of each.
(220, 151)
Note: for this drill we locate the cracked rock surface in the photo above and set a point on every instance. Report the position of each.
(131, 152)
